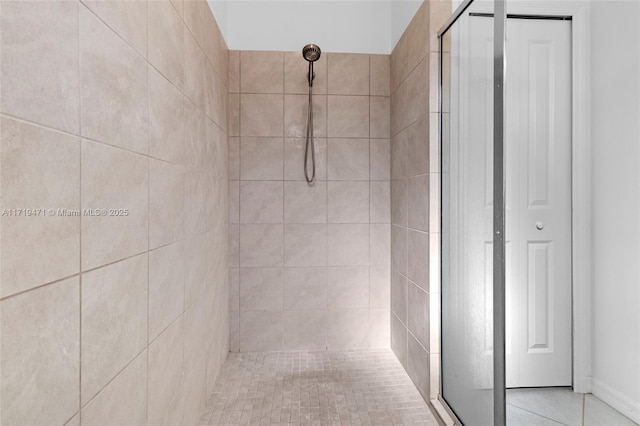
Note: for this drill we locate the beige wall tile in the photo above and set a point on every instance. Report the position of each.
(305, 288)
(296, 110)
(196, 268)
(166, 203)
(294, 149)
(49, 316)
(195, 135)
(348, 74)
(399, 291)
(399, 154)
(234, 114)
(217, 151)
(418, 313)
(234, 245)
(379, 159)
(379, 328)
(348, 244)
(418, 366)
(195, 338)
(348, 116)
(439, 12)
(348, 201)
(114, 86)
(418, 36)
(234, 331)
(124, 400)
(234, 289)
(166, 41)
(75, 420)
(399, 202)
(234, 158)
(261, 245)
(418, 255)
(380, 201)
(418, 202)
(166, 120)
(418, 147)
(418, 93)
(348, 159)
(196, 186)
(296, 70)
(127, 18)
(380, 287)
(193, 395)
(380, 117)
(261, 72)
(433, 75)
(434, 142)
(40, 169)
(115, 295)
(261, 159)
(234, 71)
(304, 203)
(348, 287)
(166, 287)
(234, 201)
(261, 201)
(305, 330)
(380, 241)
(348, 328)
(261, 331)
(166, 375)
(51, 48)
(305, 245)
(113, 179)
(261, 289)
(179, 6)
(379, 69)
(261, 115)
(215, 97)
(399, 63)
(399, 340)
(399, 247)
(195, 68)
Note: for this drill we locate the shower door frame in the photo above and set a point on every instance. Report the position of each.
(581, 254)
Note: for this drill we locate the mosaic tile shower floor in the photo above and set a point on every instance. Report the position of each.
(337, 388)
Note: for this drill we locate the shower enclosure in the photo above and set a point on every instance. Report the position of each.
(533, 94)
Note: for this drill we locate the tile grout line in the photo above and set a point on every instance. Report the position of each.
(80, 275)
(148, 222)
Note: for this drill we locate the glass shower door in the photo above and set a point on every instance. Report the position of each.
(467, 221)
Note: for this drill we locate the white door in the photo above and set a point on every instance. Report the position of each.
(538, 176)
(539, 219)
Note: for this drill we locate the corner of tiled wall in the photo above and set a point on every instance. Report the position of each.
(415, 198)
(310, 264)
(117, 319)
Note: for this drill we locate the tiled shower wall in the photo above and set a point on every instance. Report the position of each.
(123, 318)
(415, 192)
(310, 263)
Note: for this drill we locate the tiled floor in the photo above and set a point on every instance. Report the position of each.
(560, 406)
(356, 387)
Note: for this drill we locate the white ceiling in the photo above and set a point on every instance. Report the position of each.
(356, 26)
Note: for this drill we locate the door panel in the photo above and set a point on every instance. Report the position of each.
(538, 197)
(539, 221)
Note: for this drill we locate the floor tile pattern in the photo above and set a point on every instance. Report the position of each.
(337, 388)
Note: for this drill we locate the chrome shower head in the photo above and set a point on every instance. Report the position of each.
(311, 52)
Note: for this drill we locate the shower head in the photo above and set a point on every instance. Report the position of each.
(311, 52)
